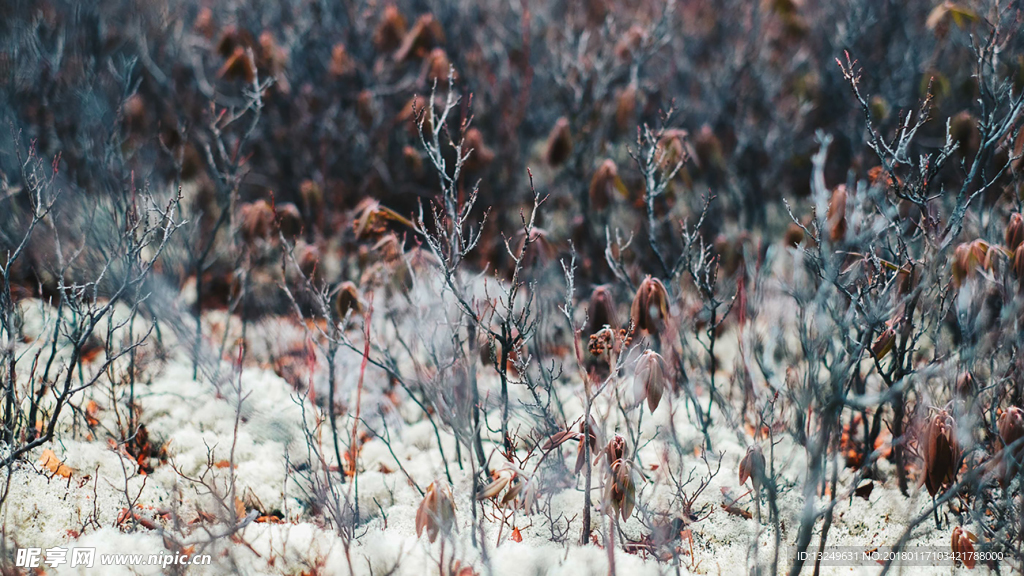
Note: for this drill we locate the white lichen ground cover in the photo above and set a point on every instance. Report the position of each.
(195, 420)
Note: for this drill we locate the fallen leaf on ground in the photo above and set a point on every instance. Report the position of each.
(54, 465)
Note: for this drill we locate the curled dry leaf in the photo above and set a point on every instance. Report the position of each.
(630, 42)
(616, 449)
(391, 29)
(837, 214)
(238, 66)
(514, 489)
(437, 67)
(436, 513)
(204, 23)
(231, 38)
(794, 234)
(590, 431)
(1011, 431)
(559, 438)
(650, 305)
(372, 216)
(752, 466)
(708, 150)
(966, 386)
(481, 155)
(1015, 232)
(559, 145)
(347, 300)
(941, 453)
(601, 310)
(884, 342)
(425, 34)
(620, 488)
(257, 220)
(518, 487)
(341, 63)
(540, 250)
(413, 160)
(604, 184)
(949, 11)
(673, 149)
(495, 487)
(968, 257)
(366, 108)
(529, 496)
(289, 219)
(1018, 264)
(963, 547)
(625, 106)
(649, 381)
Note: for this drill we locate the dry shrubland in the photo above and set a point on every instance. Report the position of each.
(489, 287)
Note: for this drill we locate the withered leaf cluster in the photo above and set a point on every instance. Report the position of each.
(436, 513)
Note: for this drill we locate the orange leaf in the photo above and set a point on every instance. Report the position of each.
(91, 409)
(90, 352)
(516, 536)
(53, 464)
